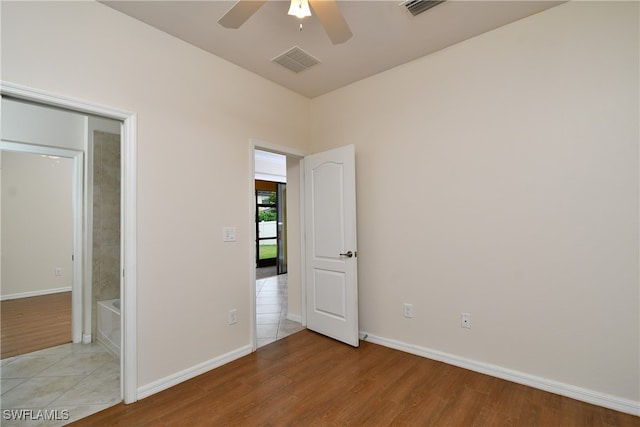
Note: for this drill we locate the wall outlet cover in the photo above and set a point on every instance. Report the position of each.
(407, 310)
(465, 320)
(233, 317)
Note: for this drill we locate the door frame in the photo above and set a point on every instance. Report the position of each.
(128, 284)
(255, 144)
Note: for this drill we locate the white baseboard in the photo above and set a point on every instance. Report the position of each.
(568, 390)
(86, 338)
(35, 293)
(186, 374)
(294, 317)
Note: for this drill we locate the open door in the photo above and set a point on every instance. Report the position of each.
(331, 252)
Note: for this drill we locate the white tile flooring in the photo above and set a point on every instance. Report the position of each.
(271, 310)
(70, 380)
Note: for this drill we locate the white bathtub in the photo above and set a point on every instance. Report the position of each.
(109, 325)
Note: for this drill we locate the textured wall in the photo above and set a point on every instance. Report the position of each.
(106, 220)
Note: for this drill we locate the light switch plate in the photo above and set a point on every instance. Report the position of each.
(229, 234)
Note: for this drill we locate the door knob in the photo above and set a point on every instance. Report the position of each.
(348, 254)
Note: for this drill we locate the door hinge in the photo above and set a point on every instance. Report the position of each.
(73, 257)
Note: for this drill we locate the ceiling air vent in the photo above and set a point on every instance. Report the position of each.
(416, 7)
(296, 60)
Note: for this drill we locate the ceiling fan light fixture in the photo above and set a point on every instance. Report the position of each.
(300, 8)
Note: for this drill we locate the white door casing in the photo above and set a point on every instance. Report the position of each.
(331, 246)
(128, 370)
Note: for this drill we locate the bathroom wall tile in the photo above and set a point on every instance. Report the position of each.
(106, 221)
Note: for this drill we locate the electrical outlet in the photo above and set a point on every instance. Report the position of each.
(408, 310)
(233, 317)
(57, 271)
(465, 320)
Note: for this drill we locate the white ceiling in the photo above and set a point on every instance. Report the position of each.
(384, 34)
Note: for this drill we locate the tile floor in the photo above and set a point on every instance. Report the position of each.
(271, 310)
(69, 381)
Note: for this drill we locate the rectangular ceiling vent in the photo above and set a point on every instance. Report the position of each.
(296, 60)
(416, 7)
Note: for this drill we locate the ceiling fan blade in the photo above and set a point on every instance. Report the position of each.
(332, 20)
(240, 12)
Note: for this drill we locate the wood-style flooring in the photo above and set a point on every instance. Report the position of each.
(34, 323)
(307, 379)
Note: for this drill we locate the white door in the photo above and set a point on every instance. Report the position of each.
(331, 257)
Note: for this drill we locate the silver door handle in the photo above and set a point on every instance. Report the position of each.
(348, 254)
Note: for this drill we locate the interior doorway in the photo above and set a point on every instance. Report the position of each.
(273, 316)
(128, 125)
(38, 247)
(47, 210)
(271, 221)
(270, 170)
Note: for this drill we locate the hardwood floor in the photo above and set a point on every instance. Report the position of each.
(307, 379)
(34, 323)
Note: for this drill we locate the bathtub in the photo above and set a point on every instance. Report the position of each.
(109, 325)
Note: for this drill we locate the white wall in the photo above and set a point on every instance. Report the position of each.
(270, 166)
(33, 246)
(196, 114)
(518, 149)
(31, 124)
(499, 177)
(37, 224)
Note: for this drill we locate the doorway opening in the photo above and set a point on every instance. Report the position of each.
(272, 291)
(38, 227)
(59, 172)
(271, 241)
(126, 123)
(270, 170)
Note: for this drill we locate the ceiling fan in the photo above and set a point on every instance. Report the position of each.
(327, 12)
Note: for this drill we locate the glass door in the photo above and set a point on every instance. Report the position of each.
(281, 208)
(266, 227)
(271, 249)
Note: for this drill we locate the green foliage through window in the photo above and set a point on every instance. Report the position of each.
(268, 215)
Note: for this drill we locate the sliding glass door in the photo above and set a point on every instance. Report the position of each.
(271, 225)
(281, 208)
